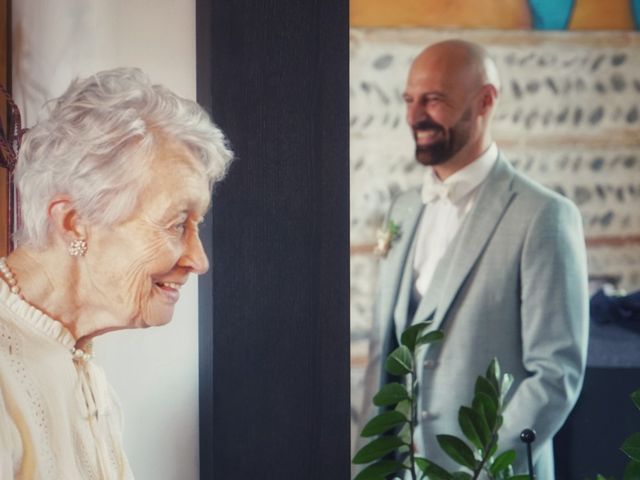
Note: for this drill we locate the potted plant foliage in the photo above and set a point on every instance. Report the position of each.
(391, 451)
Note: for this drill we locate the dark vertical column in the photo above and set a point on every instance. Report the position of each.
(275, 306)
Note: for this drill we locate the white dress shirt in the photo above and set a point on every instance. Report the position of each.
(446, 205)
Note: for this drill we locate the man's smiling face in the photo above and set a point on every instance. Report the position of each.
(440, 109)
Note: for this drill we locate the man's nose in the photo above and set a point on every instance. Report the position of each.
(415, 113)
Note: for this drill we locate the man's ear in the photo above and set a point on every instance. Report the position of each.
(65, 220)
(488, 98)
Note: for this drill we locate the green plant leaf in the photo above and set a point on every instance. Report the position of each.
(493, 374)
(631, 447)
(635, 398)
(433, 470)
(474, 427)
(382, 423)
(421, 463)
(430, 337)
(394, 229)
(494, 446)
(487, 408)
(483, 428)
(399, 362)
(377, 449)
(457, 450)
(485, 386)
(379, 470)
(502, 462)
(411, 334)
(404, 407)
(462, 476)
(499, 422)
(405, 434)
(632, 472)
(390, 394)
(505, 386)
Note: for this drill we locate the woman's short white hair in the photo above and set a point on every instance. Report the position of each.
(96, 146)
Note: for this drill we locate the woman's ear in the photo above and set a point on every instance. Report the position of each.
(65, 220)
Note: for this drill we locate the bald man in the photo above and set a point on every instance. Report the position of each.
(492, 258)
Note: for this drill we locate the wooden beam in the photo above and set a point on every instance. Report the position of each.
(5, 79)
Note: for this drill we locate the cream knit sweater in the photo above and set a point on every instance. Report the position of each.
(59, 418)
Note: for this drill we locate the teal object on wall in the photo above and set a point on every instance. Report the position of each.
(635, 9)
(553, 14)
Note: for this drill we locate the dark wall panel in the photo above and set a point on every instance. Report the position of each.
(589, 442)
(275, 306)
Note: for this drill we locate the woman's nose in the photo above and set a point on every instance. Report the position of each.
(194, 256)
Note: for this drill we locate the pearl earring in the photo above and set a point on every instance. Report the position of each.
(78, 247)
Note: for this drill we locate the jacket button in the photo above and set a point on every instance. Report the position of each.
(429, 363)
(426, 415)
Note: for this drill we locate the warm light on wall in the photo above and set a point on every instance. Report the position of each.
(508, 14)
(490, 14)
(599, 15)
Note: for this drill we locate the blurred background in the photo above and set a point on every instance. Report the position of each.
(568, 117)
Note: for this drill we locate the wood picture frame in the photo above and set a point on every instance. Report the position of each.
(5, 79)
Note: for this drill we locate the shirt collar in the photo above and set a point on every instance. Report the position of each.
(461, 183)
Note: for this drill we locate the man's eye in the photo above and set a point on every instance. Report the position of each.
(180, 227)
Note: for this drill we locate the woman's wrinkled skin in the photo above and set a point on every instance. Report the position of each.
(132, 272)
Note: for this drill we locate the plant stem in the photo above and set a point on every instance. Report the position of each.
(487, 450)
(414, 420)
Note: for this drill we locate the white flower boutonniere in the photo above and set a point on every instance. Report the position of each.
(386, 237)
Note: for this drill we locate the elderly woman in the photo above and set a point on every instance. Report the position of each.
(113, 186)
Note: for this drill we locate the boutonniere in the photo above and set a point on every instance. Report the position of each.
(386, 236)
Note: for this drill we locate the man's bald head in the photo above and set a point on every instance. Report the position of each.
(451, 90)
(461, 60)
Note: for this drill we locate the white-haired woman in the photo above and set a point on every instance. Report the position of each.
(113, 185)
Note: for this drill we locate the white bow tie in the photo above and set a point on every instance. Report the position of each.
(432, 192)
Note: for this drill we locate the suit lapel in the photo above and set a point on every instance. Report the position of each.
(405, 291)
(468, 245)
(395, 271)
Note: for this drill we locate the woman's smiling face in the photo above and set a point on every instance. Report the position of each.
(134, 270)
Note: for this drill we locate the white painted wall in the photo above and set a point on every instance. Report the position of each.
(155, 371)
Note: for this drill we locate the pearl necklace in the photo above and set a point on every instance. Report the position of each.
(9, 277)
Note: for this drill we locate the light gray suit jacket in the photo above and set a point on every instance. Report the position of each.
(512, 285)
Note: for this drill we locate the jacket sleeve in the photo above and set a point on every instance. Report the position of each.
(554, 326)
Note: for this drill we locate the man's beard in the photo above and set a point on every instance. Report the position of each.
(451, 141)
